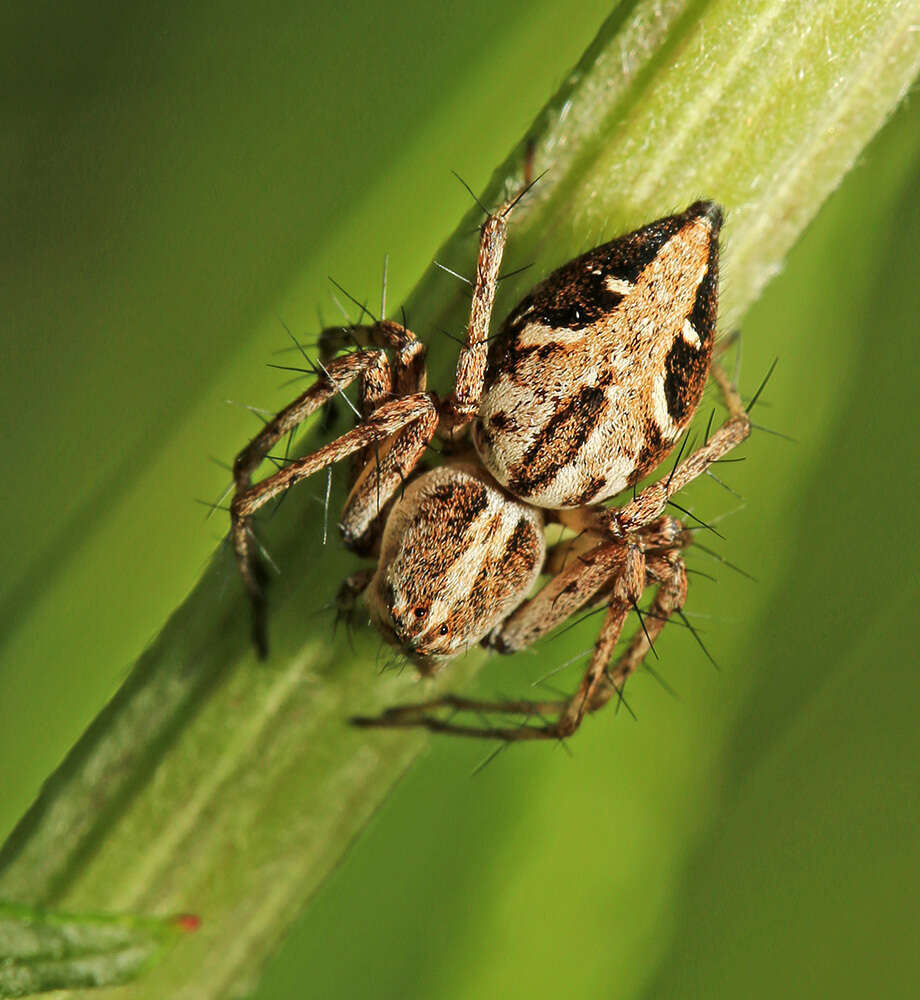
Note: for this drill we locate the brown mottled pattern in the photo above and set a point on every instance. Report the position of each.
(595, 375)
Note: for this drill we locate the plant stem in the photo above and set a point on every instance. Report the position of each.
(229, 788)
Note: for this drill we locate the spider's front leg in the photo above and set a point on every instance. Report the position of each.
(408, 356)
(401, 427)
(378, 384)
(463, 403)
(346, 600)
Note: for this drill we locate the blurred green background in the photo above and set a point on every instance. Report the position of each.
(178, 176)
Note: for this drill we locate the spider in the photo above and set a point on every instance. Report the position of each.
(589, 384)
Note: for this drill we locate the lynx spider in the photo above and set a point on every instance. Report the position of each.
(589, 384)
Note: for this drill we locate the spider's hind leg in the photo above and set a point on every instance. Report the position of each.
(462, 405)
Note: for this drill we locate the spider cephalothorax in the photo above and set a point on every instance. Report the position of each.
(458, 555)
(586, 387)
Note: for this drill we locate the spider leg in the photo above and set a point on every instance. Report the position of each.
(616, 565)
(332, 379)
(575, 587)
(669, 598)
(346, 600)
(463, 403)
(612, 566)
(651, 502)
(541, 720)
(557, 720)
(408, 351)
(626, 593)
(390, 458)
(379, 383)
(410, 420)
(567, 551)
(422, 715)
(376, 464)
(375, 389)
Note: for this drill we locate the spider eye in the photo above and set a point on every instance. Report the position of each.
(420, 612)
(444, 630)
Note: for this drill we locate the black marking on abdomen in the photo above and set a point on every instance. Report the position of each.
(705, 306)
(506, 356)
(686, 366)
(685, 370)
(577, 295)
(559, 444)
(482, 436)
(587, 494)
(653, 451)
(504, 576)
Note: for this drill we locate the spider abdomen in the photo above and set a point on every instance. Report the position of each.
(596, 373)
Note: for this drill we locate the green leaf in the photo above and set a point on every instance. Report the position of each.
(231, 788)
(42, 950)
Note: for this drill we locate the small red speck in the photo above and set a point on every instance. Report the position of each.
(188, 922)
